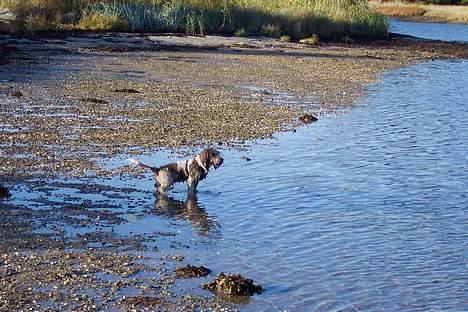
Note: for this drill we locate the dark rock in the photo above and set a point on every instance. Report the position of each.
(4, 193)
(16, 93)
(93, 100)
(232, 284)
(127, 90)
(308, 118)
(192, 271)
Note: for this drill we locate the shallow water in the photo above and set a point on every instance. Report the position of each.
(429, 30)
(364, 210)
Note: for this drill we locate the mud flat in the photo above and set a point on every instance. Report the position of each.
(186, 91)
(70, 102)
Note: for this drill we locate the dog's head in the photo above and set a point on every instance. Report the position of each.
(211, 157)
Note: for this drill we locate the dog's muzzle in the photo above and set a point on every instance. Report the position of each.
(218, 162)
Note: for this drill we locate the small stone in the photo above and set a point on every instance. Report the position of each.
(192, 271)
(126, 90)
(308, 118)
(93, 100)
(16, 93)
(4, 193)
(173, 258)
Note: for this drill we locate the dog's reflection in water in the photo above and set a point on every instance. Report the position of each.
(188, 210)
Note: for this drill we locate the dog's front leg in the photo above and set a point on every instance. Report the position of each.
(192, 186)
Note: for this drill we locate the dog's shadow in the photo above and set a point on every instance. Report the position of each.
(190, 210)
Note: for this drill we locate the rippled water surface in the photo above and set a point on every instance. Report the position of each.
(366, 210)
(427, 30)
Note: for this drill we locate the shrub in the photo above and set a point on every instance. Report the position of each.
(241, 32)
(312, 40)
(347, 39)
(271, 30)
(100, 21)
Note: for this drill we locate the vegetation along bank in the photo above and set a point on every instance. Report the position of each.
(295, 19)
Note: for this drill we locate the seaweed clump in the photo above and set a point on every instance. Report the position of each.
(16, 93)
(192, 271)
(308, 118)
(4, 193)
(232, 284)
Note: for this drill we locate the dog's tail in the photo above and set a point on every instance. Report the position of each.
(137, 163)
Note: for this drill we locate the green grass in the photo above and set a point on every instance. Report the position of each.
(101, 21)
(329, 19)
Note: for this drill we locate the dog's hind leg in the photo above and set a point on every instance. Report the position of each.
(163, 182)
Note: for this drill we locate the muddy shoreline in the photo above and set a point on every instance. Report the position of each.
(188, 91)
(71, 103)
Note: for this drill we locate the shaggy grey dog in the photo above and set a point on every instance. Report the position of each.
(191, 171)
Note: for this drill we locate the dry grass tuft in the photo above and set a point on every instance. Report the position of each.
(443, 13)
(99, 21)
(312, 40)
(402, 11)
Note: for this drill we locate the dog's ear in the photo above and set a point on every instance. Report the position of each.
(205, 158)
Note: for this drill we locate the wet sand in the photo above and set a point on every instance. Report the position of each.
(189, 91)
(69, 103)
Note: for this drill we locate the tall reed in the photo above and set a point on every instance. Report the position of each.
(329, 19)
